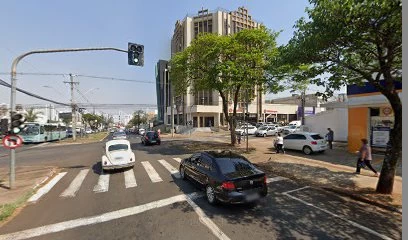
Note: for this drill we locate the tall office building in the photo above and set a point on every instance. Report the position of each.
(204, 108)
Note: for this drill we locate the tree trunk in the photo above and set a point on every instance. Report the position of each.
(393, 153)
(229, 120)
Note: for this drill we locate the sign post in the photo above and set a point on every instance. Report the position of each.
(12, 141)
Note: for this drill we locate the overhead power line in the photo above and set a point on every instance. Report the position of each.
(3, 83)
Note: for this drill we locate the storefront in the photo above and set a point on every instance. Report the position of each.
(370, 116)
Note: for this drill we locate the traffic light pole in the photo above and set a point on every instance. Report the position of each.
(74, 119)
(14, 88)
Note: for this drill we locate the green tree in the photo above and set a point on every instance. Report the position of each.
(93, 120)
(31, 115)
(355, 41)
(229, 65)
(139, 117)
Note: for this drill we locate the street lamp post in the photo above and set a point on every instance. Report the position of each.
(171, 101)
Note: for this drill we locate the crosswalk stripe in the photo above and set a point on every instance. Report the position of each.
(170, 168)
(177, 159)
(275, 179)
(46, 188)
(130, 180)
(75, 184)
(103, 183)
(153, 175)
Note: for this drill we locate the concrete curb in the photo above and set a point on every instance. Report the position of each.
(52, 173)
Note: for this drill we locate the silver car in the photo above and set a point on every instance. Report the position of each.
(266, 131)
(119, 135)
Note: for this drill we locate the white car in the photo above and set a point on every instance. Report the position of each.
(142, 131)
(119, 135)
(306, 142)
(243, 130)
(118, 154)
(291, 129)
(266, 131)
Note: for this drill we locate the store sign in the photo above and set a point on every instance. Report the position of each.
(380, 136)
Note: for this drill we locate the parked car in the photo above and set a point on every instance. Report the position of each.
(295, 123)
(242, 130)
(89, 131)
(226, 176)
(119, 135)
(306, 142)
(69, 132)
(150, 138)
(291, 129)
(141, 131)
(118, 154)
(266, 131)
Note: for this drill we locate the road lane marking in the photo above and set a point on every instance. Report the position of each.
(340, 217)
(204, 219)
(103, 183)
(275, 179)
(153, 175)
(39, 145)
(170, 168)
(295, 190)
(177, 159)
(75, 184)
(130, 180)
(109, 216)
(47, 187)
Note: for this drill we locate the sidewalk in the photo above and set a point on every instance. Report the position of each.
(332, 170)
(27, 179)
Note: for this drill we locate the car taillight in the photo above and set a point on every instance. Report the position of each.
(146, 138)
(265, 178)
(314, 143)
(228, 185)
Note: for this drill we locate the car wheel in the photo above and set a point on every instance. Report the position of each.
(264, 191)
(182, 173)
(210, 193)
(264, 135)
(307, 150)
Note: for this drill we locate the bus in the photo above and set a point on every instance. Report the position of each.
(38, 132)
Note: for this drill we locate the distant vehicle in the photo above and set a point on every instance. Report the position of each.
(243, 130)
(266, 131)
(226, 177)
(119, 135)
(69, 132)
(118, 154)
(150, 138)
(141, 131)
(112, 130)
(306, 142)
(37, 132)
(291, 129)
(295, 123)
(89, 131)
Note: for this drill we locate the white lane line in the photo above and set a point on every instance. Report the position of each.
(153, 175)
(170, 168)
(130, 180)
(275, 179)
(342, 218)
(295, 190)
(39, 145)
(177, 159)
(103, 183)
(204, 219)
(46, 188)
(75, 184)
(62, 226)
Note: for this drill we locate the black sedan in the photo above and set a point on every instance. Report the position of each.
(151, 137)
(226, 177)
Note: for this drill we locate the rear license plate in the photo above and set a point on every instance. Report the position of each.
(252, 197)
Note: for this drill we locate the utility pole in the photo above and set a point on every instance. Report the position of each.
(246, 107)
(303, 103)
(74, 120)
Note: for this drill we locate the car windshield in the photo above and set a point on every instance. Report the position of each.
(119, 134)
(316, 136)
(292, 127)
(151, 134)
(263, 128)
(118, 147)
(230, 165)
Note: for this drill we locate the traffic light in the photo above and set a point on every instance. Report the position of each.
(135, 54)
(17, 123)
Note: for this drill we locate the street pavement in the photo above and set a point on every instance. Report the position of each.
(153, 203)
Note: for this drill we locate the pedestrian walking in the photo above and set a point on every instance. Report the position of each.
(158, 131)
(279, 144)
(330, 137)
(365, 157)
(239, 138)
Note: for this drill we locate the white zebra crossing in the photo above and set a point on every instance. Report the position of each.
(177, 159)
(153, 175)
(170, 168)
(103, 183)
(130, 180)
(75, 184)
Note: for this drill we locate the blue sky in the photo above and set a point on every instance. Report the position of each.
(47, 24)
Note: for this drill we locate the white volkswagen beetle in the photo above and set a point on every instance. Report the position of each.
(118, 154)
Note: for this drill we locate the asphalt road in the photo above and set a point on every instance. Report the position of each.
(119, 208)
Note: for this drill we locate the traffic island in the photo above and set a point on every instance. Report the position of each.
(28, 180)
